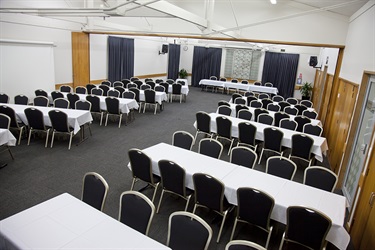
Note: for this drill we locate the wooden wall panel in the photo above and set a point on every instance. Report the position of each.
(317, 87)
(326, 98)
(81, 58)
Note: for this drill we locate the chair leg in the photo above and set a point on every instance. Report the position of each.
(156, 189)
(101, 118)
(156, 106)
(269, 237)
(20, 136)
(53, 138)
(30, 132)
(106, 120)
(187, 202)
(119, 123)
(230, 147)
(133, 182)
(144, 107)
(10, 152)
(70, 140)
(234, 229)
(195, 207)
(47, 135)
(260, 157)
(161, 197)
(282, 242)
(221, 227)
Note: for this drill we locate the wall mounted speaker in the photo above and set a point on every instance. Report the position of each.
(164, 48)
(313, 61)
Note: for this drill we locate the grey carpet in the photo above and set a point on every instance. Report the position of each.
(40, 173)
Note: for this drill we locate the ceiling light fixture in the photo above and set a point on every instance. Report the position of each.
(273, 1)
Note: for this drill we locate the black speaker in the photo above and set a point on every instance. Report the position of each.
(164, 49)
(313, 61)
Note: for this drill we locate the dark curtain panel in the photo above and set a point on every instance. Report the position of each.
(173, 61)
(120, 58)
(206, 63)
(281, 70)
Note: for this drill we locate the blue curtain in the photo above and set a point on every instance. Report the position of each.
(173, 61)
(281, 70)
(120, 58)
(206, 63)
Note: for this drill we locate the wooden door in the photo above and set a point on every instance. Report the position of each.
(81, 58)
(368, 239)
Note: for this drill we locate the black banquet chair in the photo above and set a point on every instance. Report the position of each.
(113, 93)
(59, 121)
(61, 103)
(292, 100)
(90, 87)
(310, 114)
(95, 106)
(105, 89)
(14, 125)
(301, 147)
(66, 88)
(272, 141)
(281, 167)
(288, 124)
(5, 124)
(84, 105)
(81, 90)
(41, 92)
(72, 98)
(4, 98)
(254, 207)
(41, 101)
(141, 167)
(113, 109)
(97, 91)
(243, 156)
(246, 135)
(209, 193)
(176, 91)
(173, 181)
(188, 231)
(136, 211)
(210, 147)
(150, 99)
(203, 124)
(245, 114)
(265, 119)
(224, 110)
(21, 99)
(243, 245)
(312, 129)
(183, 139)
(320, 177)
(224, 130)
(35, 122)
(306, 226)
(278, 117)
(56, 94)
(94, 190)
(301, 121)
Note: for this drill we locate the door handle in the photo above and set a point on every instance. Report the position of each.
(371, 201)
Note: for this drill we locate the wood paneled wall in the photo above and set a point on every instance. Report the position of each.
(80, 58)
(339, 115)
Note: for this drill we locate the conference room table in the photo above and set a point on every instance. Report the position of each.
(76, 118)
(239, 86)
(271, 113)
(285, 192)
(319, 147)
(125, 104)
(65, 222)
(7, 138)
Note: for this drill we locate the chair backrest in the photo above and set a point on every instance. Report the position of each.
(235, 96)
(169, 81)
(223, 103)
(113, 93)
(176, 88)
(90, 87)
(159, 88)
(145, 86)
(307, 103)
(136, 211)
(140, 165)
(61, 103)
(277, 98)
(213, 78)
(118, 84)
(125, 81)
(59, 120)
(81, 90)
(246, 133)
(223, 79)
(172, 177)
(307, 226)
(41, 101)
(187, 229)
(128, 95)
(159, 80)
(250, 98)
(83, 105)
(273, 107)
(210, 147)
(165, 85)
(65, 88)
(234, 80)
(183, 139)
(224, 110)
(224, 127)
(245, 82)
(292, 100)
(249, 93)
(258, 83)
(132, 85)
(311, 129)
(97, 91)
(138, 83)
(136, 92)
(300, 108)
(263, 96)
(56, 94)
(265, 119)
(21, 99)
(259, 111)
(113, 105)
(209, 192)
(240, 107)
(4, 121)
(301, 121)
(255, 104)
(255, 206)
(302, 146)
(240, 100)
(291, 110)
(107, 83)
(203, 121)
(283, 105)
(245, 114)
(11, 114)
(41, 92)
(268, 84)
(95, 103)
(105, 89)
(272, 139)
(181, 82)
(310, 114)
(243, 156)
(134, 78)
(278, 117)
(320, 177)
(243, 245)
(72, 98)
(281, 167)
(288, 124)
(150, 96)
(94, 190)
(121, 90)
(265, 102)
(148, 80)
(35, 118)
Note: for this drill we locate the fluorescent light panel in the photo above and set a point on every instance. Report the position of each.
(273, 1)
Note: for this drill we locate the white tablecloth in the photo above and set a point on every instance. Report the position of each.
(76, 118)
(64, 222)
(246, 87)
(285, 192)
(6, 137)
(319, 148)
(159, 96)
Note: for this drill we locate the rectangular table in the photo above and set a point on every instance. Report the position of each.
(76, 118)
(7, 138)
(319, 148)
(65, 222)
(285, 192)
(232, 85)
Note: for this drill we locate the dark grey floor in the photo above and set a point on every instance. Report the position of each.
(40, 173)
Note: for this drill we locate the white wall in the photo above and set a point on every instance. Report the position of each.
(359, 53)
